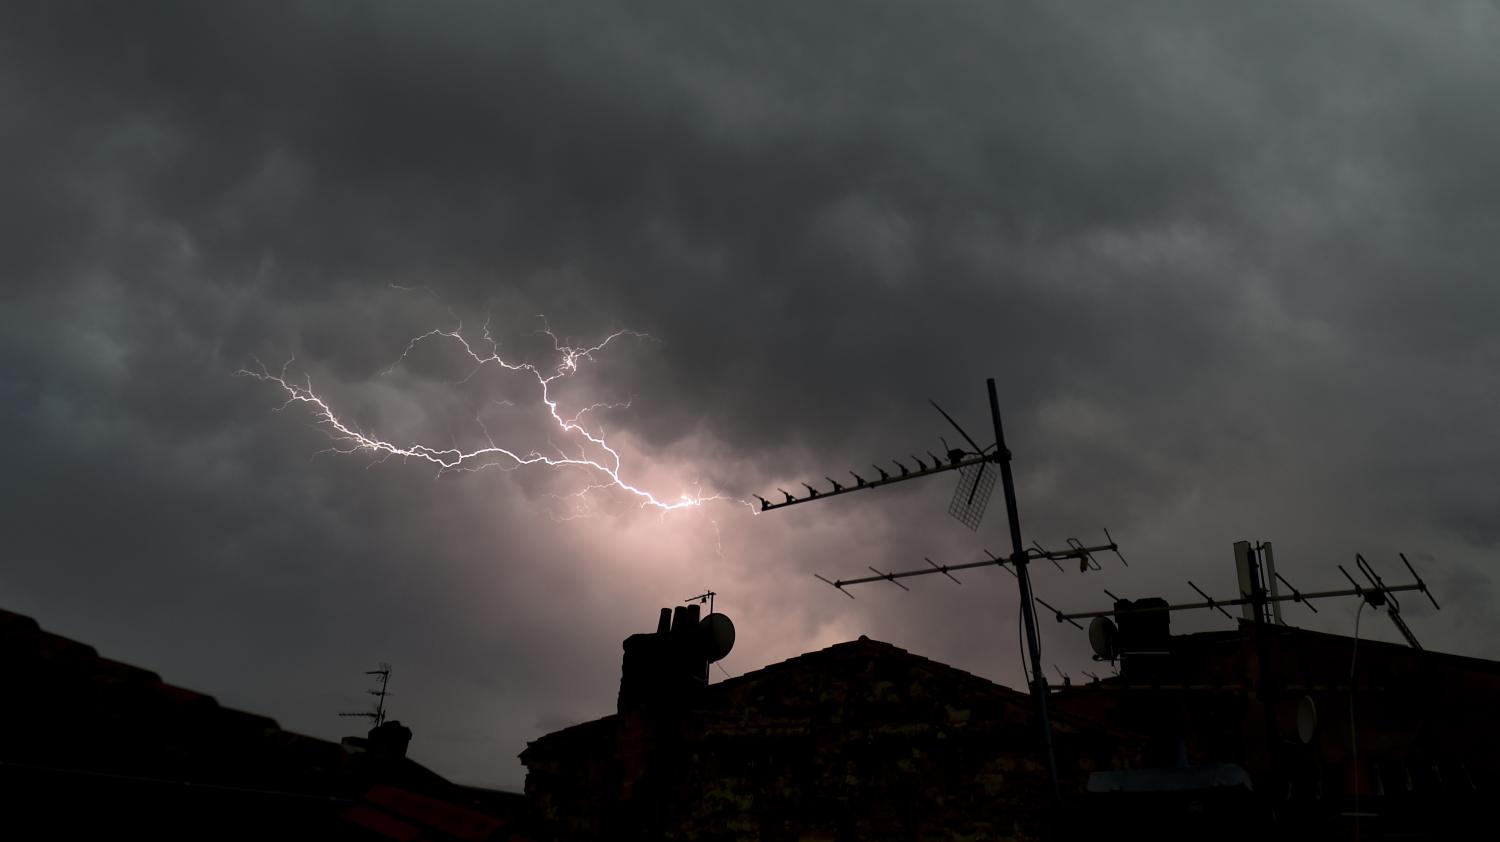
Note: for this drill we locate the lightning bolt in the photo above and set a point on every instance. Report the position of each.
(595, 455)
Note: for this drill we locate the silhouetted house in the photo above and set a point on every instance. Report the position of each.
(1240, 734)
(93, 748)
(861, 740)
(1410, 746)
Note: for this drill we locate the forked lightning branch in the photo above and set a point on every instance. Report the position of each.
(587, 449)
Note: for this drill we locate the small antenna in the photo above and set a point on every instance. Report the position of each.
(378, 715)
(705, 597)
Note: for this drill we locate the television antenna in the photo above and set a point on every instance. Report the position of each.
(1260, 600)
(977, 467)
(707, 597)
(970, 498)
(378, 714)
(716, 630)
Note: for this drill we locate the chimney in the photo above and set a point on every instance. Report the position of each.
(388, 741)
(664, 670)
(1145, 635)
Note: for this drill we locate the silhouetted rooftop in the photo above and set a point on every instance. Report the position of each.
(966, 683)
(80, 729)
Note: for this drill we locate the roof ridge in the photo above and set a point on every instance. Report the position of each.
(861, 641)
(1001, 692)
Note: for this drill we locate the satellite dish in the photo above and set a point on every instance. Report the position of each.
(718, 636)
(1102, 633)
(1307, 719)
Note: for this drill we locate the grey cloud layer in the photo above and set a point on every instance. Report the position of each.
(1233, 265)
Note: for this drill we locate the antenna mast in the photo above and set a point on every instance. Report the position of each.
(1019, 561)
(967, 506)
(378, 715)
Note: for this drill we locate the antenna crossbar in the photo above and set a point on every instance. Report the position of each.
(945, 569)
(378, 714)
(889, 479)
(948, 569)
(1215, 603)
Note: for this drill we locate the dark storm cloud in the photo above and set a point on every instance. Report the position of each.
(1232, 265)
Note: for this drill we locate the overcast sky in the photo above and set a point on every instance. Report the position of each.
(1233, 266)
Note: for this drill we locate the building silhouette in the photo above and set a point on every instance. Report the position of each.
(1239, 734)
(1259, 731)
(94, 748)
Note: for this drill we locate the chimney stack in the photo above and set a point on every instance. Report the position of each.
(664, 670)
(1145, 635)
(388, 741)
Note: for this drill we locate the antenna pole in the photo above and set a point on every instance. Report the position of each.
(1019, 562)
(385, 677)
(378, 715)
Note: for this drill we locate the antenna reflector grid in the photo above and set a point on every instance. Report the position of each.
(975, 484)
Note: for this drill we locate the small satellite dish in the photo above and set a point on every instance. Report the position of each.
(718, 636)
(1102, 633)
(1307, 719)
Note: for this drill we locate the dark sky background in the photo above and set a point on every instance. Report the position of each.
(1232, 264)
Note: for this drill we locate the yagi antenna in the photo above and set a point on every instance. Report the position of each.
(991, 560)
(1377, 594)
(977, 477)
(969, 501)
(378, 715)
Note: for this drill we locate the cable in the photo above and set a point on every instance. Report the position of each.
(1021, 646)
(1021, 637)
(1353, 739)
(1038, 626)
(1355, 652)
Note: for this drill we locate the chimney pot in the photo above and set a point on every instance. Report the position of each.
(663, 671)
